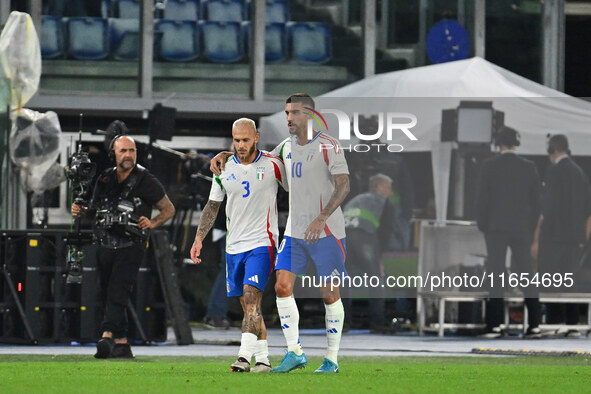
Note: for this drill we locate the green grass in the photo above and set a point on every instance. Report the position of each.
(75, 373)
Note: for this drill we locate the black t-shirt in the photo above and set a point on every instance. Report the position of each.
(145, 186)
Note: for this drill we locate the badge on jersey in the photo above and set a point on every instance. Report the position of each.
(310, 155)
(260, 173)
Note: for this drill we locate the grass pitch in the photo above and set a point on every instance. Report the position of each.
(83, 374)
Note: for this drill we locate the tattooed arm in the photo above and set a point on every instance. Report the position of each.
(341, 189)
(208, 215)
(166, 212)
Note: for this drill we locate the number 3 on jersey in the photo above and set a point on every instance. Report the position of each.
(246, 189)
(296, 170)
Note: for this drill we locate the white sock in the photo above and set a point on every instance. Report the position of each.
(335, 315)
(290, 320)
(261, 353)
(248, 344)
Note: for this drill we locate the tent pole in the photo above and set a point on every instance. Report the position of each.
(422, 44)
(479, 28)
(553, 44)
(369, 38)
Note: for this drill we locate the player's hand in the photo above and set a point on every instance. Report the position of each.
(75, 209)
(144, 223)
(315, 229)
(218, 163)
(533, 250)
(196, 251)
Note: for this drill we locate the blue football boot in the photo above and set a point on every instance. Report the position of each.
(290, 362)
(328, 367)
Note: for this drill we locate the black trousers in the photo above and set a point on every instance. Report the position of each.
(561, 258)
(118, 269)
(496, 246)
(363, 257)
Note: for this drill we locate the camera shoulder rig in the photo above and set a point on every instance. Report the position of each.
(116, 224)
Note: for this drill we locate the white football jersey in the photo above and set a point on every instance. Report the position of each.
(283, 151)
(309, 170)
(251, 209)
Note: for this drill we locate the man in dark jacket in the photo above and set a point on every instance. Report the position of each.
(508, 209)
(564, 225)
(369, 225)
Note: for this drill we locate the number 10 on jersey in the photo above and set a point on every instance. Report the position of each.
(296, 170)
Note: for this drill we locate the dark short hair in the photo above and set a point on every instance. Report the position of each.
(558, 143)
(303, 98)
(508, 137)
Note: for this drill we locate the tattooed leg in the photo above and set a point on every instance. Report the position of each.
(253, 317)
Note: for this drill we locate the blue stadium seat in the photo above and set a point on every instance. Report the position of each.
(88, 38)
(128, 9)
(311, 42)
(179, 40)
(223, 42)
(124, 38)
(182, 10)
(277, 11)
(275, 41)
(52, 37)
(225, 10)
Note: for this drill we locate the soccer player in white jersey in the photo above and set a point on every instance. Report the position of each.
(315, 230)
(250, 181)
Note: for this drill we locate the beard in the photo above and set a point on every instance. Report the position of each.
(126, 164)
(247, 154)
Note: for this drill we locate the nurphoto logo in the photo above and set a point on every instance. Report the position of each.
(395, 122)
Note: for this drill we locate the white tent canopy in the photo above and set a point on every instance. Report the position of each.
(533, 109)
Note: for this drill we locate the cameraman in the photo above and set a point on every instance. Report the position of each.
(121, 250)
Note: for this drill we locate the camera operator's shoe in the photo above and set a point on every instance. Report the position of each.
(241, 365)
(493, 333)
(104, 347)
(328, 367)
(121, 350)
(533, 333)
(261, 368)
(290, 362)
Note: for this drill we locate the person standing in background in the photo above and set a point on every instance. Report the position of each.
(564, 224)
(369, 225)
(508, 208)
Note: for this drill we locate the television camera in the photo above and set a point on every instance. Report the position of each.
(80, 172)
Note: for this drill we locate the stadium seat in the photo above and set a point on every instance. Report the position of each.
(223, 42)
(88, 38)
(182, 10)
(311, 42)
(225, 10)
(124, 38)
(128, 9)
(52, 37)
(277, 11)
(179, 40)
(275, 41)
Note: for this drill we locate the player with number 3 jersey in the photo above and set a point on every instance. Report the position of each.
(250, 181)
